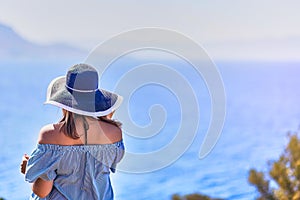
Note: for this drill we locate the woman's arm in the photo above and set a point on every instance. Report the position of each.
(41, 187)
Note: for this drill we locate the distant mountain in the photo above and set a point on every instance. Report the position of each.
(14, 47)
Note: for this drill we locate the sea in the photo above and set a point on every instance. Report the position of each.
(262, 107)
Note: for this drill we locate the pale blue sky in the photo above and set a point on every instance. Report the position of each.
(231, 29)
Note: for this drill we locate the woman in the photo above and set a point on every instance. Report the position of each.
(74, 157)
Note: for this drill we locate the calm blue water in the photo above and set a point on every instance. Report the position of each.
(262, 106)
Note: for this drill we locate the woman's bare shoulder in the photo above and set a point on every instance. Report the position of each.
(49, 134)
(112, 132)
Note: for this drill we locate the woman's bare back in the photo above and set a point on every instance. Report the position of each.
(98, 132)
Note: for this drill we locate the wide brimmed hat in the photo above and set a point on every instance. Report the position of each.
(78, 92)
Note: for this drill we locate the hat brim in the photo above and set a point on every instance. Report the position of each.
(97, 103)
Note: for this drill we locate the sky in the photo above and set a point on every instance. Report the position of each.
(231, 29)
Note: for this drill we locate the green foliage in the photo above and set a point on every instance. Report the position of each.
(285, 172)
(192, 197)
(2, 198)
(262, 185)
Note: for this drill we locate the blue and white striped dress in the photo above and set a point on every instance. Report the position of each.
(79, 171)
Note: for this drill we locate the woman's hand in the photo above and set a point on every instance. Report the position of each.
(24, 163)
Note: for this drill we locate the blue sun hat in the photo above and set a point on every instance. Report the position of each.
(78, 92)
